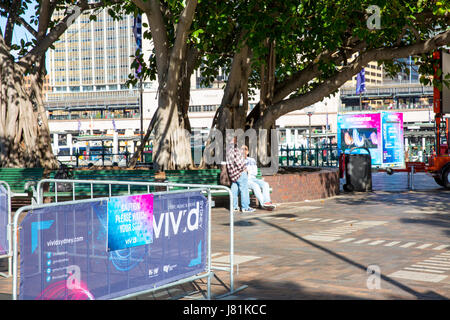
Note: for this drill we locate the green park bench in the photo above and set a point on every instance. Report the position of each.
(83, 190)
(21, 180)
(202, 176)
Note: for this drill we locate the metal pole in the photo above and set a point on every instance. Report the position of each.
(287, 155)
(103, 152)
(142, 117)
(15, 234)
(10, 259)
(360, 102)
(309, 114)
(209, 246)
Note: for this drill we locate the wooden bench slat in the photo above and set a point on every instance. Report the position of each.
(17, 178)
(205, 176)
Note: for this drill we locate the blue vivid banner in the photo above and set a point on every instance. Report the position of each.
(64, 248)
(137, 32)
(361, 81)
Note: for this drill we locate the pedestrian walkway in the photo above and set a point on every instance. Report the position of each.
(323, 249)
(381, 181)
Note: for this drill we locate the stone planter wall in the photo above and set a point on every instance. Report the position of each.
(295, 187)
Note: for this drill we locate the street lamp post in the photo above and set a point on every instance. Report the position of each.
(309, 115)
(326, 127)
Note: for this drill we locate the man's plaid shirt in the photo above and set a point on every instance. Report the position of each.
(235, 163)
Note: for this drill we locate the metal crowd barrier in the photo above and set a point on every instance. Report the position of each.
(39, 197)
(9, 253)
(208, 273)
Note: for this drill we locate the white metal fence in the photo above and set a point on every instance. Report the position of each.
(209, 189)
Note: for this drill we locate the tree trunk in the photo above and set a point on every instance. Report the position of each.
(24, 134)
(230, 114)
(181, 150)
(171, 127)
(46, 155)
(171, 148)
(254, 119)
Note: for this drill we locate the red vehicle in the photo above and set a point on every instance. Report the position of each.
(439, 162)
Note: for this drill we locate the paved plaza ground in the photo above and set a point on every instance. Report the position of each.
(322, 249)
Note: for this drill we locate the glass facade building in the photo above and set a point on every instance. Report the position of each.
(88, 68)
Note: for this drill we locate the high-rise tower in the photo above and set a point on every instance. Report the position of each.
(88, 68)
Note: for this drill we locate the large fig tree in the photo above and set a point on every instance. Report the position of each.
(295, 53)
(24, 132)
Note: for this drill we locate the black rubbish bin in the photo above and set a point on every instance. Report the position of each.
(358, 171)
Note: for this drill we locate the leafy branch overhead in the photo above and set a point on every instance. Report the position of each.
(295, 52)
(313, 40)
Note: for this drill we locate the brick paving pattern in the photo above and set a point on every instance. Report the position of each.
(322, 249)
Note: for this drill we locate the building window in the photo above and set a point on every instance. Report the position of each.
(195, 108)
(209, 108)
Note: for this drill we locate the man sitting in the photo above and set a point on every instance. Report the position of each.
(238, 176)
(260, 188)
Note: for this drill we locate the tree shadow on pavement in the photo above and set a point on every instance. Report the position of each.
(434, 220)
(426, 207)
(429, 295)
(5, 296)
(287, 290)
(438, 199)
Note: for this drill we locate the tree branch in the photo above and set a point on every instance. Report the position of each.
(27, 26)
(18, 19)
(159, 34)
(182, 30)
(335, 82)
(10, 22)
(302, 77)
(44, 19)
